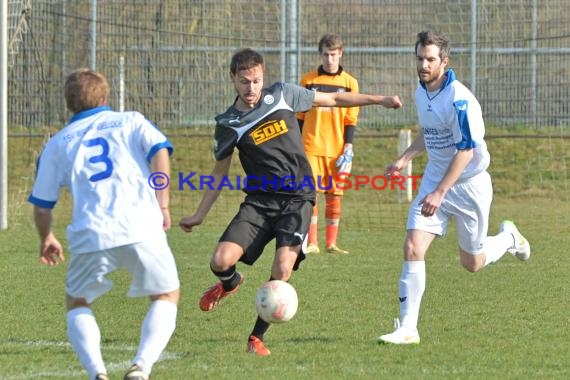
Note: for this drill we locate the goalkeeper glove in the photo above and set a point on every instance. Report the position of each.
(344, 162)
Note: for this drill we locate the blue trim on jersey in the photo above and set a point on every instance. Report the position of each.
(466, 139)
(40, 202)
(450, 78)
(91, 111)
(158, 147)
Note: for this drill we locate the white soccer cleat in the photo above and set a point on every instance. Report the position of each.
(521, 246)
(401, 335)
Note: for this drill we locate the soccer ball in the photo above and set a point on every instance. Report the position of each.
(276, 301)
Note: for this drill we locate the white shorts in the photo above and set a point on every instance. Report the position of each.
(150, 263)
(469, 202)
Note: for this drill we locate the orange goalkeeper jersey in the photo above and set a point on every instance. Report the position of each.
(323, 127)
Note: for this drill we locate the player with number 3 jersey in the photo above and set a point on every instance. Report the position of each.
(105, 159)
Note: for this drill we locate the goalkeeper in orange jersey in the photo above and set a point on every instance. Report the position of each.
(328, 133)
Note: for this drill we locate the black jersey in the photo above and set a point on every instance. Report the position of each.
(269, 142)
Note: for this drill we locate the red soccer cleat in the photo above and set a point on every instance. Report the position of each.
(214, 294)
(256, 346)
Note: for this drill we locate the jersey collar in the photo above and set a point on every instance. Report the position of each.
(322, 71)
(86, 113)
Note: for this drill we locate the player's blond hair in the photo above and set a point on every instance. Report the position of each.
(85, 89)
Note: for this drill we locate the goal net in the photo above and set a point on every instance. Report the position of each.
(18, 15)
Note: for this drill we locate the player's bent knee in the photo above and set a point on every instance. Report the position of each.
(472, 263)
(225, 256)
(412, 253)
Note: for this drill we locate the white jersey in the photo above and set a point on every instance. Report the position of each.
(103, 158)
(451, 120)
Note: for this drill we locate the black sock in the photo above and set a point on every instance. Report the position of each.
(260, 328)
(230, 278)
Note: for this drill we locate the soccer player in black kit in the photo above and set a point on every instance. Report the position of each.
(261, 123)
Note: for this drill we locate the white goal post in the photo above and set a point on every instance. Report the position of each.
(3, 115)
(13, 23)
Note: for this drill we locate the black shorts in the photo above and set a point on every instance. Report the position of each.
(262, 218)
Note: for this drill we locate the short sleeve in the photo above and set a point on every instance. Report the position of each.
(225, 140)
(48, 181)
(300, 99)
(149, 136)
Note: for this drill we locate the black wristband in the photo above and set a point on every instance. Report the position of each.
(349, 131)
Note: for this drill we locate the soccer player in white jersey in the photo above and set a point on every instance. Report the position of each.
(455, 183)
(105, 159)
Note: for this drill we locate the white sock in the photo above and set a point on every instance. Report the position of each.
(158, 326)
(496, 246)
(412, 286)
(85, 338)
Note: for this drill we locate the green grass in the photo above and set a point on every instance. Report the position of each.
(507, 322)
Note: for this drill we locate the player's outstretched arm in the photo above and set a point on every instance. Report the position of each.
(221, 169)
(351, 99)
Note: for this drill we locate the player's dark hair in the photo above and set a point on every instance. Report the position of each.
(85, 89)
(430, 37)
(245, 59)
(330, 41)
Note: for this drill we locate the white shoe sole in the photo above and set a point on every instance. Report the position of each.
(521, 250)
(399, 338)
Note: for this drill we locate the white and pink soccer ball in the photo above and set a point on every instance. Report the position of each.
(276, 301)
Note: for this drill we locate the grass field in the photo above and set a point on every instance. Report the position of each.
(509, 321)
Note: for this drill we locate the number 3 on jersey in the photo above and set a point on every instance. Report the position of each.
(100, 158)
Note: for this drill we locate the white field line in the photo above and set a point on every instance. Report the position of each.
(111, 367)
